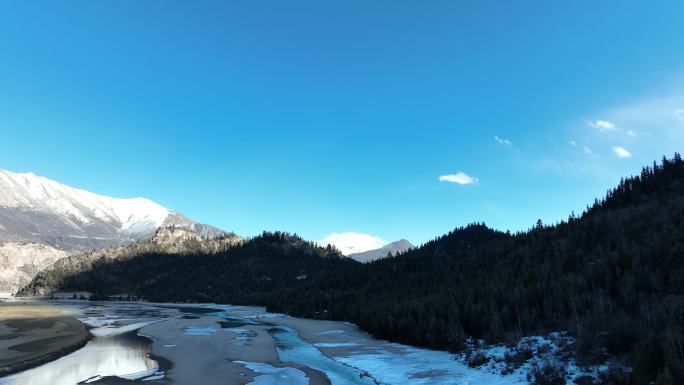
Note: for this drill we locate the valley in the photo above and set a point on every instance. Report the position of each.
(580, 278)
(167, 343)
(239, 192)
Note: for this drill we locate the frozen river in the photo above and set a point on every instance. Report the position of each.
(219, 344)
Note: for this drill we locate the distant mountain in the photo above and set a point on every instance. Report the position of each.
(37, 209)
(389, 249)
(352, 242)
(41, 220)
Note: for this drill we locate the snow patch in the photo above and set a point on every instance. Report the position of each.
(273, 375)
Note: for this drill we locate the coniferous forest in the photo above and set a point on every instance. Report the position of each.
(613, 277)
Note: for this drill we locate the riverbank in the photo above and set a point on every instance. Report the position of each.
(136, 343)
(34, 333)
(221, 351)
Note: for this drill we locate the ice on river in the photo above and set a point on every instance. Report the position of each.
(271, 375)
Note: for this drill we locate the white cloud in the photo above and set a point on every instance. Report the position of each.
(588, 151)
(621, 152)
(631, 133)
(351, 242)
(573, 143)
(679, 113)
(503, 141)
(459, 178)
(603, 125)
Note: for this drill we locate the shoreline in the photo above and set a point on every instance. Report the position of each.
(35, 333)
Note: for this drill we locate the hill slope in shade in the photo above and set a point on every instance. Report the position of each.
(177, 264)
(167, 240)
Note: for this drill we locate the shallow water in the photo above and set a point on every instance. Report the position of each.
(116, 350)
(124, 355)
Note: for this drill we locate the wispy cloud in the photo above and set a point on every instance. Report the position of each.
(503, 141)
(642, 127)
(459, 178)
(679, 113)
(602, 125)
(621, 152)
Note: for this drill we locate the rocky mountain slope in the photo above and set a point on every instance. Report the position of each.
(42, 220)
(392, 248)
(167, 240)
(40, 210)
(176, 263)
(19, 263)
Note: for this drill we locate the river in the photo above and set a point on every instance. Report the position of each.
(135, 342)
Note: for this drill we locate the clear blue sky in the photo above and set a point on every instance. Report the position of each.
(316, 116)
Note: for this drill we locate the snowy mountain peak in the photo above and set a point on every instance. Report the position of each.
(36, 209)
(26, 190)
(399, 246)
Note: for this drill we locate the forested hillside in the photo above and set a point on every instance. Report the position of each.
(612, 277)
(164, 269)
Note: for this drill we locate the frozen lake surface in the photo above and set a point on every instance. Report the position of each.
(173, 343)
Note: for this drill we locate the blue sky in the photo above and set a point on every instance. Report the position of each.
(317, 117)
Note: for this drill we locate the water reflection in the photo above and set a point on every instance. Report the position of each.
(124, 355)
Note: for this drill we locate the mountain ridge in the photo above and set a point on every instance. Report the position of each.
(65, 220)
(391, 248)
(263, 261)
(168, 240)
(37, 209)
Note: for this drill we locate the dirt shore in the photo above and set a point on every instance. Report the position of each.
(35, 333)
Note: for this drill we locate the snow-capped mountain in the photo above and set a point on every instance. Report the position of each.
(391, 248)
(40, 210)
(364, 247)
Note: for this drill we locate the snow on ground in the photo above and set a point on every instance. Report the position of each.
(272, 375)
(392, 363)
(532, 353)
(358, 359)
(411, 366)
